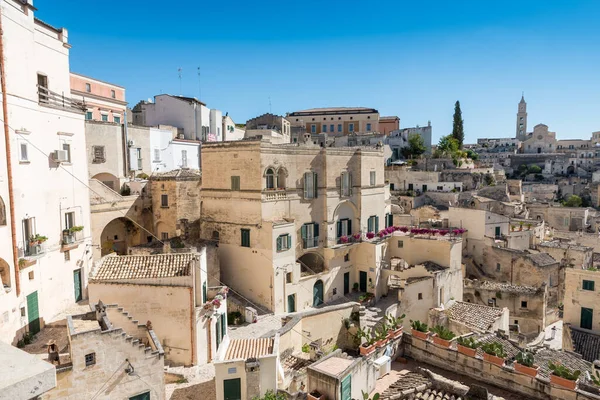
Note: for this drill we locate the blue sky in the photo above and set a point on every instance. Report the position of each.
(410, 59)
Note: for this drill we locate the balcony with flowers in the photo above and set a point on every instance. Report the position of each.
(215, 302)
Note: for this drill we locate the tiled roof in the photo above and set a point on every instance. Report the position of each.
(293, 363)
(570, 360)
(249, 348)
(475, 316)
(144, 266)
(562, 245)
(430, 266)
(542, 259)
(509, 347)
(334, 110)
(504, 287)
(183, 173)
(586, 343)
(415, 279)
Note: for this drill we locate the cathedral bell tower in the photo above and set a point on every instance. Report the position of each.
(521, 132)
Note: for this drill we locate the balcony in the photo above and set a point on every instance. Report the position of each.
(71, 237)
(34, 249)
(275, 194)
(310, 243)
(350, 239)
(48, 98)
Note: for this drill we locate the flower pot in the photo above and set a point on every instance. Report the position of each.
(315, 395)
(419, 334)
(557, 380)
(441, 342)
(398, 332)
(467, 351)
(525, 370)
(365, 349)
(493, 359)
(381, 343)
(390, 335)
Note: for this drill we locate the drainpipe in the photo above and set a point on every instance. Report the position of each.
(11, 197)
(127, 160)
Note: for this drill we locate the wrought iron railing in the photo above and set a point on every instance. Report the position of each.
(47, 97)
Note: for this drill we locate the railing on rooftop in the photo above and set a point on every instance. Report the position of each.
(47, 97)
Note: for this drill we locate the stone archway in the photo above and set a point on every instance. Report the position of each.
(114, 237)
(109, 180)
(5, 275)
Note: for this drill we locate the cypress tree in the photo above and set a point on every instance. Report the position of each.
(458, 132)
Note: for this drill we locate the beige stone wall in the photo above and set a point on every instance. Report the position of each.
(169, 308)
(107, 378)
(183, 204)
(576, 297)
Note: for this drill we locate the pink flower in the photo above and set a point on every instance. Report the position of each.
(370, 235)
(403, 229)
(344, 239)
(356, 236)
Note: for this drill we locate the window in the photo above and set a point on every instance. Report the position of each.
(523, 304)
(344, 227)
(90, 359)
(324, 129)
(117, 119)
(350, 127)
(310, 235)
(99, 156)
(334, 291)
(141, 396)
(23, 312)
(389, 220)
(113, 94)
(373, 176)
(31, 275)
(497, 267)
(138, 152)
(288, 277)
(164, 236)
(67, 254)
(69, 220)
(310, 185)
(164, 200)
(339, 127)
(89, 115)
(373, 224)
(284, 242)
(104, 117)
(156, 154)
(42, 81)
(331, 128)
(346, 257)
(67, 147)
(346, 184)
(184, 158)
(23, 154)
(270, 178)
(587, 317)
(588, 285)
(88, 87)
(420, 296)
(313, 128)
(368, 127)
(245, 237)
(440, 188)
(235, 183)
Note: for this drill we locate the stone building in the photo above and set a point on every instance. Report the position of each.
(521, 128)
(569, 254)
(275, 127)
(526, 304)
(24, 376)
(108, 356)
(175, 202)
(541, 140)
(581, 299)
(463, 317)
(344, 120)
(389, 124)
(171, 291)
(286, 217)
(559, 217)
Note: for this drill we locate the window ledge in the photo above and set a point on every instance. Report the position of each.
(65, 133)
(66, 163)
(164, 206)
(24, 162)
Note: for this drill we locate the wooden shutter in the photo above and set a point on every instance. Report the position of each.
(315, 185)
(306, 184)
(339, 228)
(376, 224)
(316, 232)
(370, 224)
(303, 235)
(279, 246)
(349, 227)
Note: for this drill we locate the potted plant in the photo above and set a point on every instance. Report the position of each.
(381, 336)
(368, 346)
(493, 353)
(521, 223)
(395, 324)
(563, 376)
(37, 239)
(355, 287)
(77, 228)
(356, 236)
(529, 225)
(525, 365)
(442, 336)
(467, 346)
(513, 228)
(316, 395)
(419, 329)
(344, 239)
(370, 235)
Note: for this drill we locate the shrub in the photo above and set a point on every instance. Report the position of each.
(306, 348)
(563, 372)
(125, 190)
(395, 322)
(142, 175)
(419, 326)
(468, 342)
(443, 333)
(525, 358)
(494, 349)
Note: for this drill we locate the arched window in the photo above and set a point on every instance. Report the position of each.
(215, 235)
(281, 174)
(2, 212)
(270, 178)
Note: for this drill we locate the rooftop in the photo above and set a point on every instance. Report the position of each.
(113, 267)
(475, 316)
(586, 343)
(22, 372)
(542, 259)
(333, 365)
(389, 117)
(563, 245)
(502, 287)
(249, 348)
(334, 110)
(177, 174)
(570, 360)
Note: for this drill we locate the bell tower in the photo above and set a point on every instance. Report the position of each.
(521, 131)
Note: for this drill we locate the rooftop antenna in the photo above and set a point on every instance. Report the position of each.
(199, 86)
(270, 105)
(179, 70)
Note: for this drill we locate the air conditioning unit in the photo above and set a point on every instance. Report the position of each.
(131, 143)
(60, 156)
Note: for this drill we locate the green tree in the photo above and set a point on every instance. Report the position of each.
(270, 395)
(472, 155)
(448, 145)
(458, 131)
(573, 201)
(416, 146)
(534, 169)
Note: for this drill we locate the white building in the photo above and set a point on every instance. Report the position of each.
(170, 153)
(197, 121)
(44, 241)
(230, 131)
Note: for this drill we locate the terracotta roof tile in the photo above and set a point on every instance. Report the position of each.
(475, 316)
(144, 266)
(249, 348)
(586, 343)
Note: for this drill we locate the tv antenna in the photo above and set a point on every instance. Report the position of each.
(179, 71)
(270, 105)
(199, 86)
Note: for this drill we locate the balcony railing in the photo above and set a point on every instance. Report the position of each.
(310, 243)
(49, 98)
(348, 239)
(275, 194)
(34, 250)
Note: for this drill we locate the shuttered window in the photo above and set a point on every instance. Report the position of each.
(346, 184)
(588, 285)
(284, 242)
(235, 183)
(310, 235)
(245, 237)
(310, 185)
(373, 224)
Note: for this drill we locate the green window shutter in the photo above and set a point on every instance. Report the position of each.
(339, 228)
(303, 232)
(349, 183)
(376, 224)
(279, 246)
(370, 224)
(306, 180)
(288, 242)
(315, 185)
(349, 227)
(588, 285)
(316, 231)
(223, 325)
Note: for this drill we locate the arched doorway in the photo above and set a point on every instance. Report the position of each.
(2, 212)
(318, 293)
(311, 264)
(114, 237)
(5, 274)
(109, 180)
